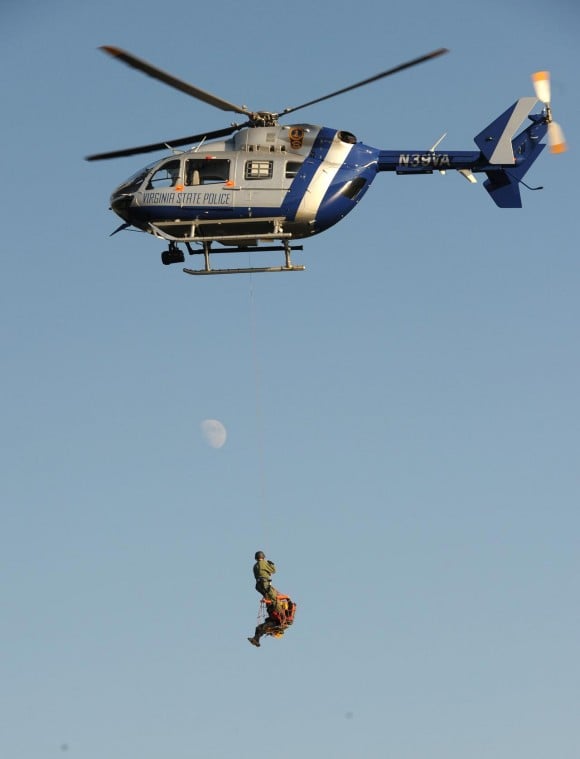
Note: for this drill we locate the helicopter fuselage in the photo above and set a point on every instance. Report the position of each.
(263, 183)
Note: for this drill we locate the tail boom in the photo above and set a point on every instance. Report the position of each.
(504, 159)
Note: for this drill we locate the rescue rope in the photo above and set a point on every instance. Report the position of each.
(261, 612)
(259, 424)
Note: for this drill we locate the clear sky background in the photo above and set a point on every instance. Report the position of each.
(403, 417)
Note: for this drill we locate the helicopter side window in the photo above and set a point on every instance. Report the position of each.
(292, 168)
(259, 169)
(165, 176)
(207, 171)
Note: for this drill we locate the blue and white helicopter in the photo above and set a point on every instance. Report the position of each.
(268, 184)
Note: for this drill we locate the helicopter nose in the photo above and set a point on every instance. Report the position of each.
(121, 203)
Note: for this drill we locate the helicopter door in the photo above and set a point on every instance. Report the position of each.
(207, 171)
(261, 182)
(207, 184)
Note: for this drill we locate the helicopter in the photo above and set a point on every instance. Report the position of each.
(258, 186)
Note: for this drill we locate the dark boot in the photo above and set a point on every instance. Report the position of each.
(254, 641)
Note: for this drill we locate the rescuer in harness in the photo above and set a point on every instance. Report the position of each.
(280, 615)
(263, 571)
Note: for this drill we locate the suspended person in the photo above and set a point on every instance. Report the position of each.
(263, 571)
(280, 616)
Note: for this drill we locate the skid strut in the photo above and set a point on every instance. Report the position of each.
(206, 252)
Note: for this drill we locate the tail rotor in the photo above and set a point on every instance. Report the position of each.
(556, 139)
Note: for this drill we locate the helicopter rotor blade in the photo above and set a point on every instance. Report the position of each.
(556, 139)
(164, 145)
(224, 105)
(389, 72)
(172, 81)
(541, 82)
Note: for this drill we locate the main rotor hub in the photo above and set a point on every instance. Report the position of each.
(264, 119)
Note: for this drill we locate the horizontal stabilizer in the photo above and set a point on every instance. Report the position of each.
(495, 141)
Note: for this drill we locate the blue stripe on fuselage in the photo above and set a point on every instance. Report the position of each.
(302, 181)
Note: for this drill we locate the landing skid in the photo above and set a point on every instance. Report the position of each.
(247, 270)
(207, 269)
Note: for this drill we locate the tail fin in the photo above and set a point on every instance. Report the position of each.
(495, 142)
(498, 147)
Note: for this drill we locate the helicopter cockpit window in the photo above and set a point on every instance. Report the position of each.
(165, 176)
(347, 137)
(207, 171)
(259, 169)
(134, 182)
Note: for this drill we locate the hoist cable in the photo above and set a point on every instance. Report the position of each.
(259, 421)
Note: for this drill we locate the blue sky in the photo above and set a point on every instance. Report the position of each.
(402, 418)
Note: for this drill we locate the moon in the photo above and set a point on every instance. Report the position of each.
(214, 432)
